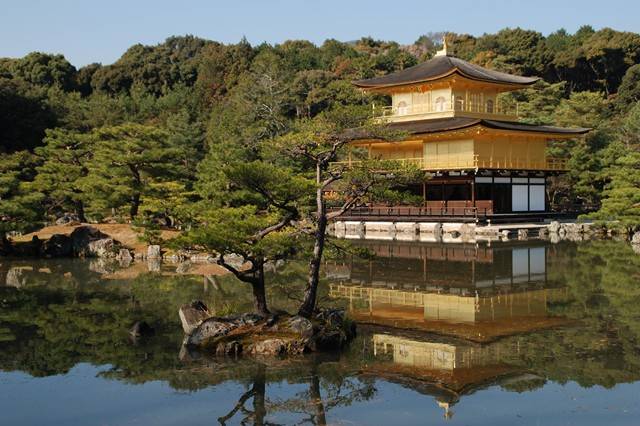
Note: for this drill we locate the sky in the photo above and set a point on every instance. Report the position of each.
(87, 31)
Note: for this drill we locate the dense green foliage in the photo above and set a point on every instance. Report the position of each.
(178, 111)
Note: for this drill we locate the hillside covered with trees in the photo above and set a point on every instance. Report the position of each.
(148, 137)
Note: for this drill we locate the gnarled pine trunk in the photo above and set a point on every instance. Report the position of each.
(311, 291)
(259, 294)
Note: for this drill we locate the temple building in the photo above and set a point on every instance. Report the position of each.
(482, 160)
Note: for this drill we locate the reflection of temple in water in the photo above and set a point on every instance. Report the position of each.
(446, 369)
(445, 310)
(478, 293)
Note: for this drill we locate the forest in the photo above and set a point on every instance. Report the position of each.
(170, 134)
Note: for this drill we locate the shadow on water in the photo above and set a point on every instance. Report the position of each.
(443, 321)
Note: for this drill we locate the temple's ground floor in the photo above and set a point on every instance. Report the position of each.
(471, 196)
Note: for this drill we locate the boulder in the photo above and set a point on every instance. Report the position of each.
(68, 219)
(59, 245)
(124, 255)
(192, 315)
(154, 252)
(254, 334)
(209, 329)
(554, 227)
(248, 319)
(88, 241)
(301, 326)
(635, 240)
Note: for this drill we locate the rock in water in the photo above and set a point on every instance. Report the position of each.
(301, 326)
(635, 240)
(554, 227)
(192, 315)
(88, 241)
(154, 252)
(211, 328)
(141, 329)
(58, 245)
(124, 255)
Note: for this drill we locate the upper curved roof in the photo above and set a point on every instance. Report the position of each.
(439, 67)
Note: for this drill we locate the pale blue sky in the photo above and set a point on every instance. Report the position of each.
(100, 31)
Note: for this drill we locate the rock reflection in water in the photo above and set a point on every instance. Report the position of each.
(444, 323)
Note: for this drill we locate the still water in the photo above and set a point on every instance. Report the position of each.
(513, 333)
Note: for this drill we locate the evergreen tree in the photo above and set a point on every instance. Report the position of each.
(20, 208)
(65, 157)
(130, 164)
(621, 202)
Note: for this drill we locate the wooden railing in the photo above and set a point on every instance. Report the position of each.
(550, 163)
(447, 106)
(449, 209)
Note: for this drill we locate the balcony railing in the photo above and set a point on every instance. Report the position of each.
(550, 164)
(436, 108)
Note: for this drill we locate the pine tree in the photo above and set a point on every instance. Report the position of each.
(20, 208)
(65, 157)
(621, 202)
(128, 160)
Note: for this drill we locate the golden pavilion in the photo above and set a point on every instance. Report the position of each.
(481, 159)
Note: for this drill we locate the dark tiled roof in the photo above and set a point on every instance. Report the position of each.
(439, 67)
(457, 123)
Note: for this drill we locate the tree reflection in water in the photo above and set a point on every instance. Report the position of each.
(517, 324)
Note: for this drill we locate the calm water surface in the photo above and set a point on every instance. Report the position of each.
(513, 333)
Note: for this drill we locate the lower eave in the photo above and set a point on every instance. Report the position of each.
(444, 125)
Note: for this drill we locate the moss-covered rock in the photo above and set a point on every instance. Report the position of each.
(280, 334)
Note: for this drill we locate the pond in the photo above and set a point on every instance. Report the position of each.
(522, 332)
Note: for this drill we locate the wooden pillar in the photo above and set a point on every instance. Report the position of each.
(473, 191)
(424, 192)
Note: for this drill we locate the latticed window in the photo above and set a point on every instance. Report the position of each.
(490, 106)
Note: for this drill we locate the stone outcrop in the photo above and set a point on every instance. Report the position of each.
(88, 241)
(192, 315)
(68, 219)
(154, 252)
(253, 334)
(58, 245)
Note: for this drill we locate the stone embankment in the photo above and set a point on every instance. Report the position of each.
(252, 334)
(465, 232)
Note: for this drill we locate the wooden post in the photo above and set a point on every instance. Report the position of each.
(473, 191)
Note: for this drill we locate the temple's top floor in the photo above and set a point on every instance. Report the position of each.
(441, 68)
(446, 86)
